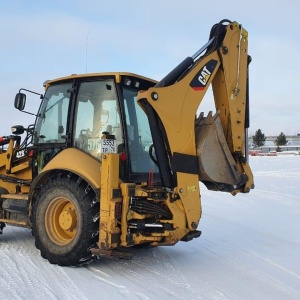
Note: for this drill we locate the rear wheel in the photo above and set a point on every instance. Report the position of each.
(66, 220)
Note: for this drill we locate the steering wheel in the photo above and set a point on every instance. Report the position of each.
(86, 132)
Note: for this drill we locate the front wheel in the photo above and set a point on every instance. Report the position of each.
(65, 220)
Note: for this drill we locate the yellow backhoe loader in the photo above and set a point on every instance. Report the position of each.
(114, 160)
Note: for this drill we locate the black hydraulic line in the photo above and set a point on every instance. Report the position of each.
(15, 180)
(143, 206)
(247, 113)
(201, 50)
(176, 73)
(183, 67)
(218, 31)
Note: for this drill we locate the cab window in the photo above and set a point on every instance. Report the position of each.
(97, 111)
(51, 124)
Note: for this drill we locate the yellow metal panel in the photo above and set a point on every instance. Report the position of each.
(125, 188)
(189, 192)
(78, 162)
(109, 182)
(229, 86)
(20, 169)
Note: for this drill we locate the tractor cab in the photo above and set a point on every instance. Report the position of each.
(96, 114)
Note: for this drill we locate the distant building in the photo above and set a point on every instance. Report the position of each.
(293, 144)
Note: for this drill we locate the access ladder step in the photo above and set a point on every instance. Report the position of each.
(14, 196)
(111, 253)
(191, 235)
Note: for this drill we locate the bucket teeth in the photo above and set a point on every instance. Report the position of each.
(208, 120)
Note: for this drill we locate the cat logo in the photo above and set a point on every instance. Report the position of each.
(202, 77)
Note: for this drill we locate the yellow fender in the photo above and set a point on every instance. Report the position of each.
(75, 161)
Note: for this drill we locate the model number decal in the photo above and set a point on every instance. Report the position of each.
(20, 153)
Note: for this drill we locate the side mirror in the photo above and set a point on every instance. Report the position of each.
(20, 101)
(17, 129)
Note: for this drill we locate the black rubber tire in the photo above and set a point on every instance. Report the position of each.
(74, 191)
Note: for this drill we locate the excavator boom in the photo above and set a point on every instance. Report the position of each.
(213, 147)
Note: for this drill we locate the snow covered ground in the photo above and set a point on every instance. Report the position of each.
(249, 249)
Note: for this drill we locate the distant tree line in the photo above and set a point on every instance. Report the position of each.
(259, 139)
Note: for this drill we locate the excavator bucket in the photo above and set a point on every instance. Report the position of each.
(217, 167)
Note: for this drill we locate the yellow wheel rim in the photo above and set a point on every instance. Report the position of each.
(61, 221)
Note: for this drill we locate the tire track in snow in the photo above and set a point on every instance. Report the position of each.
(99, 275)
(229, 253)
(24, 272)
(151, 270)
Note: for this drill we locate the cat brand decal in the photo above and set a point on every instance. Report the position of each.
(200, 80)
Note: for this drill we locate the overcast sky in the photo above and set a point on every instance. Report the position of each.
(43, 40)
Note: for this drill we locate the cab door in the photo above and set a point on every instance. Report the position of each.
(51, 127)
(97, 111)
